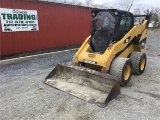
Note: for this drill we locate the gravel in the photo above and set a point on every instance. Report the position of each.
(24, 96)
(153, 43)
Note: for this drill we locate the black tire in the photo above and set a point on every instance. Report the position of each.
(122, 68)
(139, 62)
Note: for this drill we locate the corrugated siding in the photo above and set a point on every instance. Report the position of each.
(59, 25)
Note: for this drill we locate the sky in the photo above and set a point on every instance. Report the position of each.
(136, 3)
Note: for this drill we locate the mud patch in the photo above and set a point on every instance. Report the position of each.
(61, 108)
(158, 82)
(84, 117)
(150, 94)
(41, 90)
(133, 98)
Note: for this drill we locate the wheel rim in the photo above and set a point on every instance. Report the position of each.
(142, 64)
(127, 72)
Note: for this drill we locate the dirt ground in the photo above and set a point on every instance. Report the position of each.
(24, 96)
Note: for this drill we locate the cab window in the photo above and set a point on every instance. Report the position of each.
(125, 23)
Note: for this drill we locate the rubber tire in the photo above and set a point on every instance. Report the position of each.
(118, 67)
(136, 58)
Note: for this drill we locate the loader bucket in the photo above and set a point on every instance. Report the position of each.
(90, 85)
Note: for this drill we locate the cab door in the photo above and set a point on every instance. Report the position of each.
(125, 24)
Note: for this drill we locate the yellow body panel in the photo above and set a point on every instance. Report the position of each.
(118, 49)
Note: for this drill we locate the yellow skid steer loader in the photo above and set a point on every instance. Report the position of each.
(107, 58)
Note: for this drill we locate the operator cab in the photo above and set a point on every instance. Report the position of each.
(109, 26)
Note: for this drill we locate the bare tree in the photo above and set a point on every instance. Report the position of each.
(65, 1)
(88, 2)
(147, 12)
(137, 11)
(129, 6)
(80, 4)
(157, 10)
(154, 15)
(126, 4)
(73, 2)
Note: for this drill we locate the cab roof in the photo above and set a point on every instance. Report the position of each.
(109, 10)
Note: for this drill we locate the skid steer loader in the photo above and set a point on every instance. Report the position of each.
(107, 58)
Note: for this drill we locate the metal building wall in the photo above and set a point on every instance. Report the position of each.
(59, 25)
